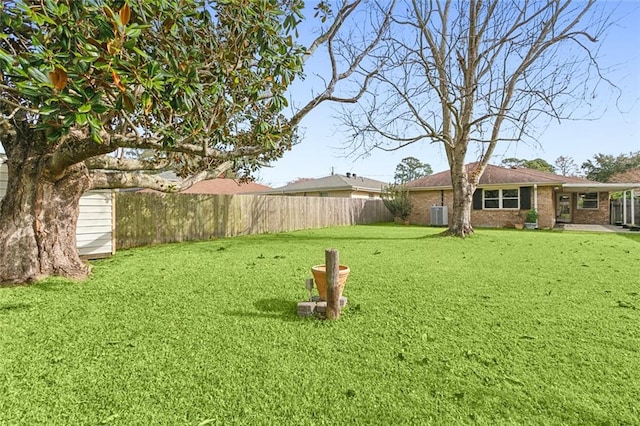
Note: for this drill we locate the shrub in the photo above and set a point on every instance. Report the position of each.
(532, 216)
(396, 199)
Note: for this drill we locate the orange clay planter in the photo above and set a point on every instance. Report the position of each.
(320, 277)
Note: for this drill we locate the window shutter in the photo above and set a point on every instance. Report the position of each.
(477, 199)
(525, 198)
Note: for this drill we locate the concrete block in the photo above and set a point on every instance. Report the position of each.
(321, 306)
(306, 309)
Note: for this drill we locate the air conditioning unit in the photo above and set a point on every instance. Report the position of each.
(439, 216)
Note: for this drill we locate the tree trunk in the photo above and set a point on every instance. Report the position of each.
(38, 218)
(460, 225)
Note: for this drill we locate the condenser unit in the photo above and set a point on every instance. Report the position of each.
(439, 216)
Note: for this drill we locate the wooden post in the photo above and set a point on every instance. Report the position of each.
(332, 263)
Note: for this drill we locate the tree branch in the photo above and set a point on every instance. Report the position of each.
(355, 62)
(107, 162)
(101, 179)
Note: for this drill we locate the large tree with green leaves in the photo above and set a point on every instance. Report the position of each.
(200, 84)
(535, 164)
(604, 166)
(410, 168)
(470, 75)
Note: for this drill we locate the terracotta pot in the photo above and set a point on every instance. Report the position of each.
(320, 277)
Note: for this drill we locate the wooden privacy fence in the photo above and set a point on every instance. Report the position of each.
(147, 218)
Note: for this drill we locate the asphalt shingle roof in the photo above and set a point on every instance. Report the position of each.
(222, 186)
(496, 175)
(333, 183)
(632, 175)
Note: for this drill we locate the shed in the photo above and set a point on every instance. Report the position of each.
(95, 233)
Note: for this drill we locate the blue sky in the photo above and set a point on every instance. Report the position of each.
(615, 131)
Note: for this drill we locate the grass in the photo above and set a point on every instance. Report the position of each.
(507, 327)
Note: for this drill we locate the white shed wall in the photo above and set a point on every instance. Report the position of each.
(94, 233)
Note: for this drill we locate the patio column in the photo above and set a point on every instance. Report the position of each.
(633, 209)
(624, 207)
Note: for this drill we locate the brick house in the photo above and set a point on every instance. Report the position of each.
(504, 195)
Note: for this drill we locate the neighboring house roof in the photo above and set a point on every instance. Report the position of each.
(221, 186)
(632, 175)
(225, 186)
(332, 183)
(496, 175)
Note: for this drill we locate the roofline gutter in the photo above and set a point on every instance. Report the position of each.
(607, 186)
(346, 188)
(490, 185)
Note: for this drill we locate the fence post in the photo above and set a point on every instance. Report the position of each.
(333, 286)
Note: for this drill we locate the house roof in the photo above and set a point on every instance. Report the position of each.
(632, 175)
(332, 183)
(496, 175)
(222, 186)
(225, 186)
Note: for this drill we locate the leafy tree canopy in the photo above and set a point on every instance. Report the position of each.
(107, 93)
(188, 77)
(410, 168)
(604, 166)
(536, 164)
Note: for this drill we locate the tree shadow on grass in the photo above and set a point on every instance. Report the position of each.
(273, 308)
(10, 307)
(351, 237)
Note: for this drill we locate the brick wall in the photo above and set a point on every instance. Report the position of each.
(423, 200)
(546, 206)
(509, 218)
(585, 216)
(496, 218)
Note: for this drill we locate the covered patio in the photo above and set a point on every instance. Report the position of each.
(593, 228)
(570, 195)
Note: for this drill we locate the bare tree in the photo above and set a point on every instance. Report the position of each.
(474, 74)
(566, 166)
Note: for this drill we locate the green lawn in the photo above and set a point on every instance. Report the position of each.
(507, 327)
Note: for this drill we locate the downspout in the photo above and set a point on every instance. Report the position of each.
(535, 198)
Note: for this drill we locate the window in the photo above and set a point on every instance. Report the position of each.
(501, 198)
(324, 194)
(510, 199)
(492, 199)
(588, 201)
